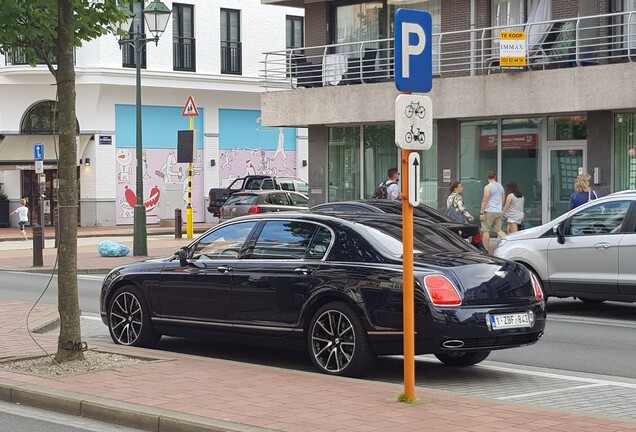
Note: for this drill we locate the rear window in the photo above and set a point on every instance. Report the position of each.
(241, 199)
(388, 238)
(302, 186)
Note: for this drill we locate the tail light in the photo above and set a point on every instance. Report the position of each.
(538, 293)
(442, 291)
(221, 212)
(254, 210)
(476, 240)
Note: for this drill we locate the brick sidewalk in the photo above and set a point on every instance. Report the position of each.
(180, 392)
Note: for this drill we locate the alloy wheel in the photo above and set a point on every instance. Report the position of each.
(333, 341)
(126, 318)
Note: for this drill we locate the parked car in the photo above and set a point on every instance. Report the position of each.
(470, 232)
(331, 285)
(262, 201)
(218, 196)
(586, 253)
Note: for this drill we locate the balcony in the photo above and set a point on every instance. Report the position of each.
(184, 54)
(231, 57)
(564, 43)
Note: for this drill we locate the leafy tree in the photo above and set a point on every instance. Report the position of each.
(48, 31)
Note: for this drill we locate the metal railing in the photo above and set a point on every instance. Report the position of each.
(17, 56)
(184, 54)
(231, 57)
(581, 41)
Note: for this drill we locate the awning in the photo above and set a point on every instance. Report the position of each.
(19, 148)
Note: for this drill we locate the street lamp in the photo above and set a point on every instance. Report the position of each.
(156, 15)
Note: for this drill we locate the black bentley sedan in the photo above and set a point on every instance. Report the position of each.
(423, 212)
(331, 285)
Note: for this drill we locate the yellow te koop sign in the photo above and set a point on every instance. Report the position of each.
(512, 49)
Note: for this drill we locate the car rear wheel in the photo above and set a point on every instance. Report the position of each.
(463, 359)
(338, 343)
(129, 319)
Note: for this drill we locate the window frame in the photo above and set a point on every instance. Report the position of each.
(290, 20)
(228, 64)
(179, 53)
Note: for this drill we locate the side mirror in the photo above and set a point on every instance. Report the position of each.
(560, 233)
(183, 254)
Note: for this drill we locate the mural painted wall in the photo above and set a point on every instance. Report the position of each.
(247, 147)
(159, 162)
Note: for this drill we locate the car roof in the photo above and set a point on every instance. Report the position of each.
(388, 206)
(265, 191)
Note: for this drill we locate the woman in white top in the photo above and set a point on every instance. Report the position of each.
(513, 209)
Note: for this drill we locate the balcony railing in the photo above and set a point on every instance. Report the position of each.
(581, 41)
(17, 56)
(184, 54)
(231, 57)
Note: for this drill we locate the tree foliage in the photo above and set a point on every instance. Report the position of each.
(31, 26)
(49, 31)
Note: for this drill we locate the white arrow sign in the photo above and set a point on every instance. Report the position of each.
(414, 179)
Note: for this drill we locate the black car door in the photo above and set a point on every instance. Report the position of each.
(271, 284)
(199, 288)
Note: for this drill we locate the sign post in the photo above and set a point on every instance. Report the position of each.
(413, 131)
(190, 110)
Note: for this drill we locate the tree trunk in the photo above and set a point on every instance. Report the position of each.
(69, 345)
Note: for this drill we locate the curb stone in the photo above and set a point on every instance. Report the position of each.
(116, 412)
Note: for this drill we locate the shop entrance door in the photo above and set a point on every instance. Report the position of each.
(565, 161)
(31, 192)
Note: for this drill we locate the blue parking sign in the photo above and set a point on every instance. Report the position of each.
(413, 50)
(38, 151)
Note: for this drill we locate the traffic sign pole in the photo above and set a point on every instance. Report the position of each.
(408, 285)
(190, 110)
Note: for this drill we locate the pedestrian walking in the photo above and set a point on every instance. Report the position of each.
(582, 191)
(513, 208)
(389, 189)
(455, 208)
(491, 209)
(23, 214)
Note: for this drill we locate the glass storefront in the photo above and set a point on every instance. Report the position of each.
(624, 151)
(359, 157)
(519, 150)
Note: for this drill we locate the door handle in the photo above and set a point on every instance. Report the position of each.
(602, 246)
(224, 269)
(303, 270)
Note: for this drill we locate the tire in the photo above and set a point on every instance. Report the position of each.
(129, 319)
(338, 343)
(463, 359)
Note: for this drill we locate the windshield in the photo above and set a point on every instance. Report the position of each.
(240, 199)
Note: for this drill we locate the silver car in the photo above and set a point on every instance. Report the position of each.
(262, 201)
(588, 253)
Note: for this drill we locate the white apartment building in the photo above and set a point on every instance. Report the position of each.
(212, 51)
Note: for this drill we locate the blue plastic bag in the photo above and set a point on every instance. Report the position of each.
(109, 248)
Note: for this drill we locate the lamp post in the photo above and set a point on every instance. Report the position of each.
(156, 15)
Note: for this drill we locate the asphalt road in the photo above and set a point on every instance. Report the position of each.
(20, 418)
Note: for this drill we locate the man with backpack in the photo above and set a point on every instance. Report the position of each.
(390, 188)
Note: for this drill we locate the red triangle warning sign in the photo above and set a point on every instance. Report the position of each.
(190, 108)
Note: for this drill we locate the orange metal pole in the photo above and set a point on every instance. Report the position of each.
(408, 283)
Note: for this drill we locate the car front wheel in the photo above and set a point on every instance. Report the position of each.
(338, 343)
(129, 319)
(463, 359)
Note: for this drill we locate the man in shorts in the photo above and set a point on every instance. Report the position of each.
(490, 212)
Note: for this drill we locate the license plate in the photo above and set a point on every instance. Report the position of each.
(512, 320)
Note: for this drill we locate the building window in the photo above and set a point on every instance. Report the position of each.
(184, 53)
(41, 118)
(360, 156)
(231, 41)
(294, 32)
(138, 26)
(567, 128)
(624, 151)
(520, 142)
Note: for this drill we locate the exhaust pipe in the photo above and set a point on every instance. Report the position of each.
(539, 335)
(453, 344)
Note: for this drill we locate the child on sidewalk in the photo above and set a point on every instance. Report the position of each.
(23, 214)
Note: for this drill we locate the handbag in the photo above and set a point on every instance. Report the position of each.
(455, 215)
